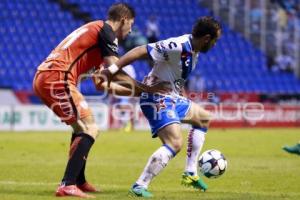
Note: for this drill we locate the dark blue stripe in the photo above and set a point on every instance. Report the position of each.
(204, 129)
(170, 149)
(149, 48)
(190, 39)
(186, 55)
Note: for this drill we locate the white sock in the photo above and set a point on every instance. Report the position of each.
(196, 139)
(156, 163)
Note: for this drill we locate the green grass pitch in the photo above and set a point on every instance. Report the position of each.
(32, 164)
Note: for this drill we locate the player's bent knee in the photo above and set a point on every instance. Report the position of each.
(205, 119)
(92, 130)
(177, 145)
(87, 128)
(204, 123)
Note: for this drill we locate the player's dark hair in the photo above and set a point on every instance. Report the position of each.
(204, 26)
(119, 10)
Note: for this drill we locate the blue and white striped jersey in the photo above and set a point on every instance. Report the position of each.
(173, 60)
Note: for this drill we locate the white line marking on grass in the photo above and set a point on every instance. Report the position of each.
(10, 182)
(25, 183)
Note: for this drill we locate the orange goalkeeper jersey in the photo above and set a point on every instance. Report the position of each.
(83, 50)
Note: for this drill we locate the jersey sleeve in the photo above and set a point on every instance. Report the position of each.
(163, 50)
(107, 41)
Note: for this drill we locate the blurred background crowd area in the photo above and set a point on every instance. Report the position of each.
(273, 26)
(256, 59)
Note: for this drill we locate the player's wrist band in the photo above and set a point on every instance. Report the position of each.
(113, 68)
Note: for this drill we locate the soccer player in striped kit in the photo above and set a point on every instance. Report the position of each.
(174, 59)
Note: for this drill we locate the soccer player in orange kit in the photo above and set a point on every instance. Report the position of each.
(84, 51)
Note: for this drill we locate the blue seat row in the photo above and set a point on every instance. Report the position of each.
(31, 29)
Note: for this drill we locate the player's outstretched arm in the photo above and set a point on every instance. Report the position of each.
(124, 85)
(137, 53)
(131, 56)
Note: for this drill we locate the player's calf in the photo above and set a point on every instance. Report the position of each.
(190, 178)
(172, 137)
(172, 143)
(85, 132)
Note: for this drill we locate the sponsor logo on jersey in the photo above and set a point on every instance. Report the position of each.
(113, 47)
(160, 48)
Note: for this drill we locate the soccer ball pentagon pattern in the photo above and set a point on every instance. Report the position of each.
(212, 163)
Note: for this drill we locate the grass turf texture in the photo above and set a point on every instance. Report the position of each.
(32, 164)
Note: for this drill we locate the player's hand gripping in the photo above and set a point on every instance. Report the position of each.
(107, 73)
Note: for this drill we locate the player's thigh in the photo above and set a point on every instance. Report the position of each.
(171, 135)
(197, 116)
(65, 101)
(80, 105)
(50, 87)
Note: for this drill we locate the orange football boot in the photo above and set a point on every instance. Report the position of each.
(71, 190)
(87, 187)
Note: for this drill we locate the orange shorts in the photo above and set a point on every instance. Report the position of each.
(57, 90)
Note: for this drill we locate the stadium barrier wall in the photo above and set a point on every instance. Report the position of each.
(272, 115)
(38, 117)
(237, 115)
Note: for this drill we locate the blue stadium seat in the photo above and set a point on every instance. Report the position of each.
(234, 65)
(28, 35)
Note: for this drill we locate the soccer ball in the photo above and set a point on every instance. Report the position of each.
(212, 163)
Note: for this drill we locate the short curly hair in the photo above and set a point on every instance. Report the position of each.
(206, 25)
